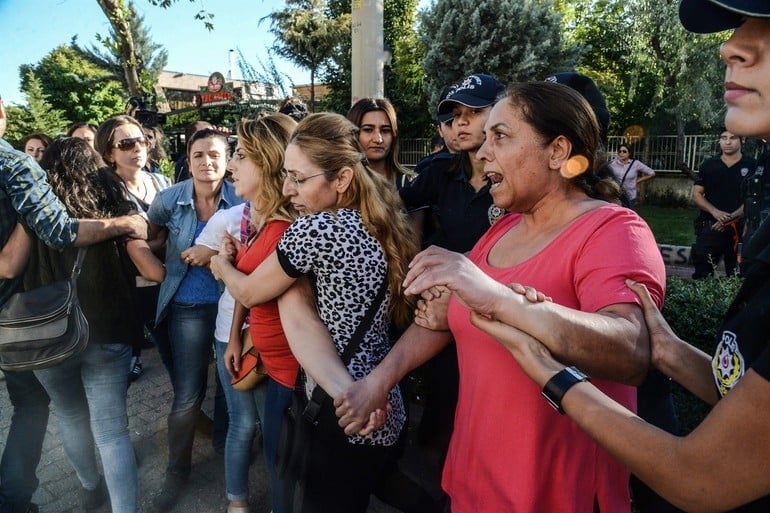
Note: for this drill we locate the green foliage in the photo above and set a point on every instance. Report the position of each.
(37, 116)
(151, 57)
(75, 86)
(514, 40)
(653, 72)
(306, 36)
(166, 168)
(670, 225)
(695, 309)
(403, 78)
(267, 74)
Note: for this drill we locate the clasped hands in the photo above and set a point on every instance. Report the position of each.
(228, 248)
(434, 276)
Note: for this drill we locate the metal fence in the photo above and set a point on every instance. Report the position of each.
(658, 152)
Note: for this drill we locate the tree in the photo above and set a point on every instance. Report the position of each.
(653, 72)
(513, 40)
(151, 58)
(306, 36)
(75, 86)
(403, 78)
(688, 73)
(119, 15)
(37, 116)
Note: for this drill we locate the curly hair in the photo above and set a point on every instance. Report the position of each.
(330, 141)
(264, 141)
(76, 176)
(555, 109)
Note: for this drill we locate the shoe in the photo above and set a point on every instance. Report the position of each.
(94, 499)
(169, 494)
(136, 369)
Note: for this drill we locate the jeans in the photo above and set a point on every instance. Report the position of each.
(89, 394)
(245, 409)
(24, 443)
(191, 335)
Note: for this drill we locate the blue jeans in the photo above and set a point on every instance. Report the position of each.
(89, 393)
(18, 480)
(245, 409)
(191, 335)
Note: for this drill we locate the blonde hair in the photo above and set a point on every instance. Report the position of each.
(264, 141)
(330, 141)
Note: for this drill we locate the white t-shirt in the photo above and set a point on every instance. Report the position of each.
(227, 220)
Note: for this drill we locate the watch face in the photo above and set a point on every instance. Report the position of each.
(576, 373)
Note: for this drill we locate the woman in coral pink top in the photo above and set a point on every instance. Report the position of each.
(510, 451)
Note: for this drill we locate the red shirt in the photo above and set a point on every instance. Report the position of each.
(510, 450)
(265, 323)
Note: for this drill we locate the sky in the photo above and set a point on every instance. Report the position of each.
(32, 28)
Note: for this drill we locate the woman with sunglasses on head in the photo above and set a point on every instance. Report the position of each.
(88, 391)
(121, 142)
(351, 240)
(189, 295)
(629, 173)
(723, 464)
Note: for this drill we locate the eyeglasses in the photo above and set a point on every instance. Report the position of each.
(298, 181)
(622, 151)
(129, 143)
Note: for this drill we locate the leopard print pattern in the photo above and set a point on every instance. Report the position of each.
(348, 266)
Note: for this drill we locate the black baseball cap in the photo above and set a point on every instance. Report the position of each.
(706, 16)
(587, 88)
(446, 116)
(476, 91)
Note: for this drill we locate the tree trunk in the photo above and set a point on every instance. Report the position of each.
(119, 16)
(312, 89)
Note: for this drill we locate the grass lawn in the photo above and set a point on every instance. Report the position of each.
(671, 225)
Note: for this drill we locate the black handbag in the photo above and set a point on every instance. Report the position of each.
(303, 418)
(44, 326)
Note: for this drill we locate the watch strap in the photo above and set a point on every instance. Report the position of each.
(557, 386)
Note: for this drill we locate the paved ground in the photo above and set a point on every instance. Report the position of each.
(149, 400)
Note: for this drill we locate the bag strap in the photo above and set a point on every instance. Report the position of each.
(313, 408)
(78, 264)
(627, 170)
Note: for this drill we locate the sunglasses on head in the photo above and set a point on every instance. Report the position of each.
(129, 143)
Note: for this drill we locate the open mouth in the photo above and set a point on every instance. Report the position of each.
(494, 178)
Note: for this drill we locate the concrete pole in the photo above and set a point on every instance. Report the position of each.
(368, 57)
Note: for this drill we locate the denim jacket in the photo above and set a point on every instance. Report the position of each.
(26, 195)
(174, 209)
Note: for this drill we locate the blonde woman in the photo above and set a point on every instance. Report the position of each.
(256, 172)
(352, 238)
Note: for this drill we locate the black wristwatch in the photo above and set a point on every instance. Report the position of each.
(557, 386)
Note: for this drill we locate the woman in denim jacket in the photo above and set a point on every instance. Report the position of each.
(188, 296)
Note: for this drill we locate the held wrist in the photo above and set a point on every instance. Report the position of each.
(560, 383)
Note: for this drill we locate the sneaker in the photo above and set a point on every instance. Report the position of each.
(136, 369)
(94, 499)
(169, 494)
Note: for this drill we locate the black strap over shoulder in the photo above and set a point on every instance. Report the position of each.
(319, 394)
(627, 170)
